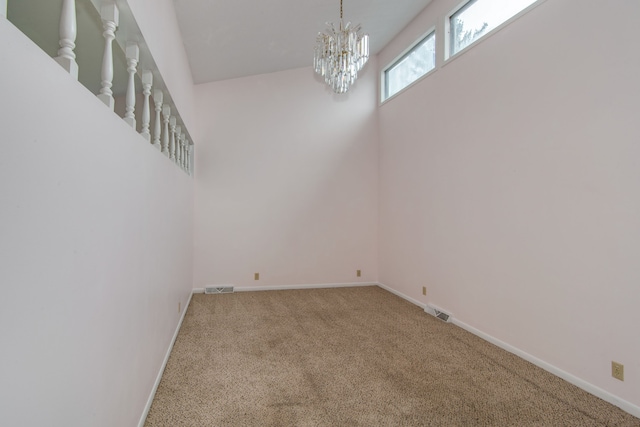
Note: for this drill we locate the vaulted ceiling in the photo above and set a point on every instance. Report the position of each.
(228, 39)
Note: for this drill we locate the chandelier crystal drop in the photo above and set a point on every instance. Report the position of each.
(340, 53)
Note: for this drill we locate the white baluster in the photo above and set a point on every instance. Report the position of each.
(183, 147)
(178, 153)
(68, 32)
(172, 140)
(166, 113)
(182, 151)
(110, 18)
(189, 157)
(132, 53)
(147, 81)
(187, 154)
(157, 126)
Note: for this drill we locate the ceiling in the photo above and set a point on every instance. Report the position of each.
(228, 39)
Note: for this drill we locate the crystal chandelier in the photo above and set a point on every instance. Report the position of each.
(340, 54)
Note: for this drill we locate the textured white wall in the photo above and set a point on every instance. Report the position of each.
(95, 251)
(509, 186)
(286, 181)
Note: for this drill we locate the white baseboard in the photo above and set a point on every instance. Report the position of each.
(589, 388)
(290, 287)
(403, 296)
(147, 407)
(584, 385)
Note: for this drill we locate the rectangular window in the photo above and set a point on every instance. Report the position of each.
(477, 17)
(418, 61)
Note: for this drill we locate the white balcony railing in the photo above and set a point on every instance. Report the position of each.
(80, 36)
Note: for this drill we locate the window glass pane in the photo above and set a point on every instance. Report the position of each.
(478, 17)
(415, 64)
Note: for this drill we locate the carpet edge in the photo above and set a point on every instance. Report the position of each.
(147, 407)
(578, 382)
(401, 295)
(293, 287)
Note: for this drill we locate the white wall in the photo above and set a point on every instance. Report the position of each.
(286, 181)
(95, 251)
(509, 186)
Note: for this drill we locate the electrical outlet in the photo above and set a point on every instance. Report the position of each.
(358, 273)
(424, 290)
(617, 371)
(256, 276)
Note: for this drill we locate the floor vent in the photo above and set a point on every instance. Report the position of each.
(218, 290)
(442, 316)
(436, 312)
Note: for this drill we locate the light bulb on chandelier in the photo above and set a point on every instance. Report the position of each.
(340, 53)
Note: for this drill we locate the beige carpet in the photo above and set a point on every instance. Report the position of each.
(352, 357)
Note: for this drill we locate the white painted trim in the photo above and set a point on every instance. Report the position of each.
(291, 287)
(147, 407)
(3, 8)
(578, 382)
(448, 56)
(383, 80)
(403, 296)
(588, 387)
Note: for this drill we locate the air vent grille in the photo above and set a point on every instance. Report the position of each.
(442, 316)
(218, 290)
(436, 312)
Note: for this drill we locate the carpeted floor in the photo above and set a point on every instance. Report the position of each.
(352, 357)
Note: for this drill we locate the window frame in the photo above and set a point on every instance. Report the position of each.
(383, 74)
(448, 46)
